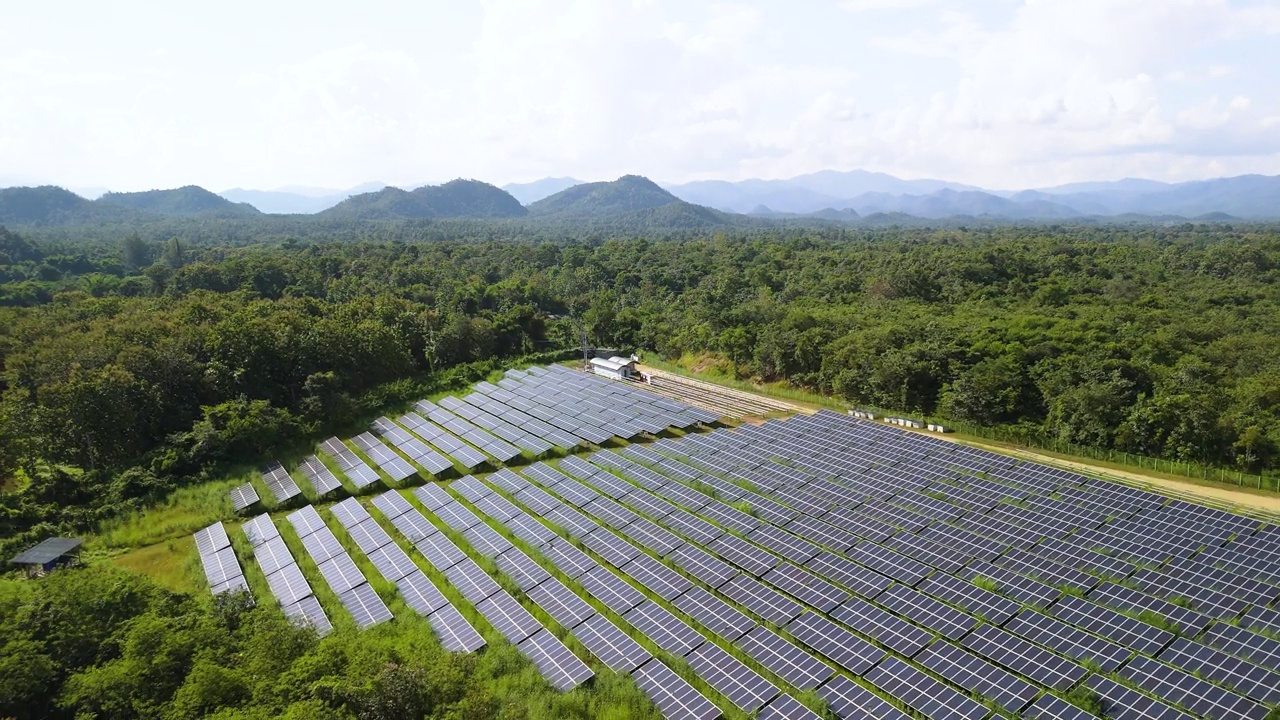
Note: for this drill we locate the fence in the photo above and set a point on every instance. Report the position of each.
(1188, 469)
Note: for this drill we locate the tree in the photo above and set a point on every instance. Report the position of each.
(135, 253)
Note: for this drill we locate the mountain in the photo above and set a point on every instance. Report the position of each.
(949, 203)
(454, 199)
(804, 193)
(296, 200)
(532, 192)
(50, 205)
(626, 194)
(188, 200)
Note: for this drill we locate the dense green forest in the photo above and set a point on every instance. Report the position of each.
(132, 366)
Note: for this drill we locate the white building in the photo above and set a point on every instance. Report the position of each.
(615, 368)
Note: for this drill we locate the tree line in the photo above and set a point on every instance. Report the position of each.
(133, 365)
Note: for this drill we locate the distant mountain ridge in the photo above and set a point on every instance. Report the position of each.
(186, 200)
(817, 197)
(454, 199)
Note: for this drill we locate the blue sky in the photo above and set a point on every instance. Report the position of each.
(1002, 94)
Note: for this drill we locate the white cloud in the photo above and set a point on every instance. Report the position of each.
(1000, 93)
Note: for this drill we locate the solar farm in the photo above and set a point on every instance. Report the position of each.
(891, 574)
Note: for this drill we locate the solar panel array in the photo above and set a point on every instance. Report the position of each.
(418, 451)
(284, 577)
(278, 481)
(360, 474)
(460, 452)
(221, 568)
(335, 564)
(320, 477)
(243, 496)
(386, 458)
(821, 547)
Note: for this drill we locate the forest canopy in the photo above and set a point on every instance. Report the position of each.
(132, 366)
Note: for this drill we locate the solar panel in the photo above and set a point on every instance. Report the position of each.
(713, 613)
(392, 562)
(647, 534)
(304, 521)
(702, 565)
(420, 594)
(1122, 629)
(260, 529)
(658, 578)
(273, 555)
(784, 659)
(457, 516)
(455, 633)
(278, 481)
(665, 630)
(942, 619)
(889, 630)
(319, 475)
(487, 541)
(1126, 704)
(440, 551)
(785, 707)
(389, 460)
(745, 555)
(521, 568)
(692, 527)
(527, 528)
(561, 603)
(835, 642)
(433, 496)
(212, 539)
(922, 692)
(764, 601)
(608, 545)
(848, 699)
(608, 643)
(1188, 622)
(471, 488)
(391, 504)
(675, 698)
(360, 474)
(471, 581)
(288, 584)
(806, 587)
(365, 606)
(508, 617)
(243, 496)
(234, 583)
(538, 500)
(308, 613)
(982, 603)
(414, 526)
(1060, 637)
(610, 512)
(555, 662)
(1251, 680)
(616, 594)
(341, 572)
(744, 687)
(571, 520)
(978, 676)
(507, 481)
(1023, 657)
(568, 558)
(1052, 707)
(369, 536)
(322, 545)
(1200, 697)
(1259, 649)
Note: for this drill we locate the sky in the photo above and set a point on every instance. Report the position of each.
(1003, 94)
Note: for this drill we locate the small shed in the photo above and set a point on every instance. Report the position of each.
(48, 555)
(615, 368)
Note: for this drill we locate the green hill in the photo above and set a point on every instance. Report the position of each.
(188, 200)
(51, 205)
(454, 199)
(629, 193)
